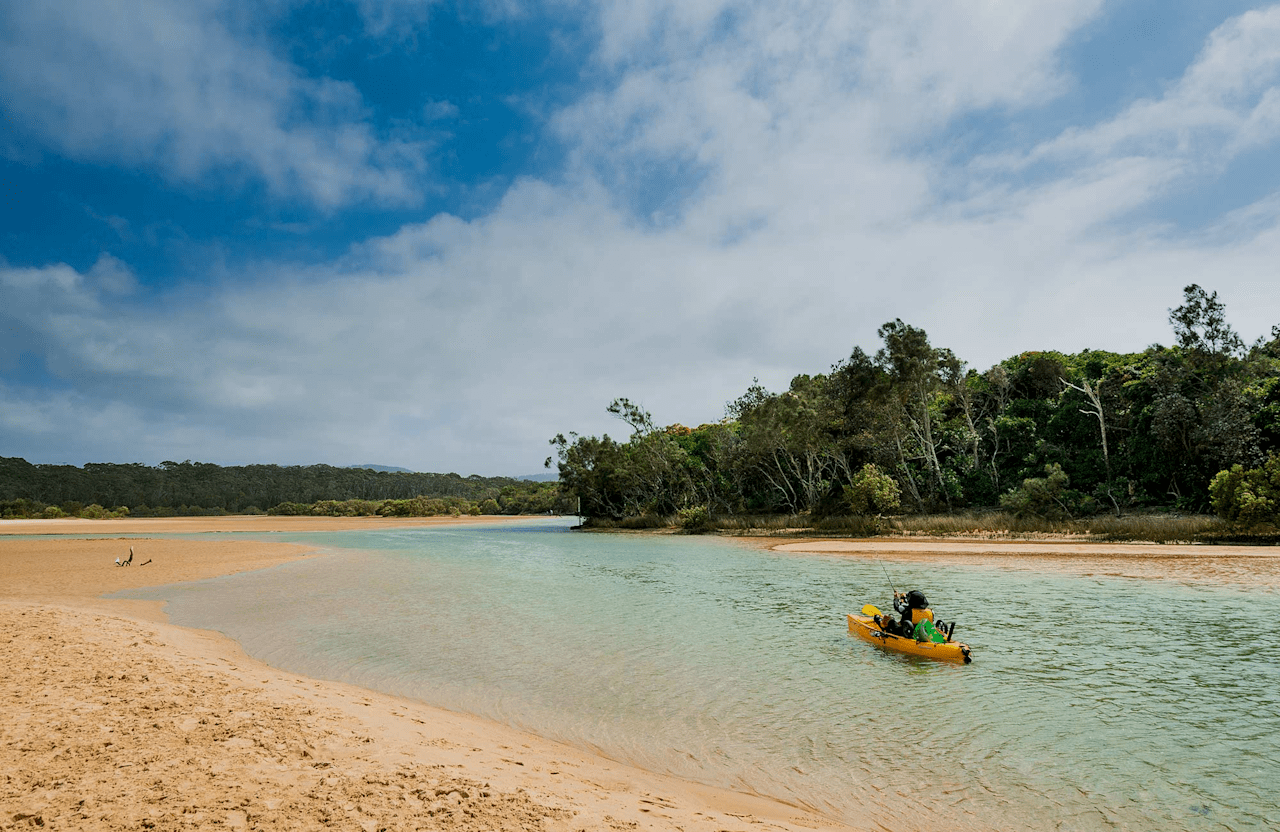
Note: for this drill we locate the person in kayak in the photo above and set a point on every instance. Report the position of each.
(913, 607)
(917, 617)
(905, 627)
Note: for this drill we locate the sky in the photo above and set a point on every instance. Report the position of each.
(433, 234)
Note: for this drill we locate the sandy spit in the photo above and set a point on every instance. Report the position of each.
(1187, 563)
(111, 718)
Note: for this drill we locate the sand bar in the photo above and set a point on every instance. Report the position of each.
(1188, 563)
(115, 719)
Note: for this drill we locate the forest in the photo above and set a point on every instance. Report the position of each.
(200, 488)
(1191, 427)
(911, 430)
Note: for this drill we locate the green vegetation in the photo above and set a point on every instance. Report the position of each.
(1250, 497)
(873, 492)
(1055, 441)
(199, 489)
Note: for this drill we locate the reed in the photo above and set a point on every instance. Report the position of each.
(642, 522)
(1154, 527)
(767, 523)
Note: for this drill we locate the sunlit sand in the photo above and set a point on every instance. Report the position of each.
(115, 719)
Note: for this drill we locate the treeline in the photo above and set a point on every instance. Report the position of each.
(912, 429)
(198, 488)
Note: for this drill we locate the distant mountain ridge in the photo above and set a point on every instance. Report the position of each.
(540, 477)
(194, 487)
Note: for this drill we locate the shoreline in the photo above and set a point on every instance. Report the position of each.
(1185, 562)
(122, 720)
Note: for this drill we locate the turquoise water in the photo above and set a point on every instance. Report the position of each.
(1092, 702)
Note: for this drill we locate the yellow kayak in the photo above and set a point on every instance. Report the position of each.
(865, 628)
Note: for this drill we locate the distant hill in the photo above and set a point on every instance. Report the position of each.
(390, 468)
(538, 477)
(193, 487)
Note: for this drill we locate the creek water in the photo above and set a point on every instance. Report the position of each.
(1092, 702)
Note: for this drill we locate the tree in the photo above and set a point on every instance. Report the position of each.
(1200, 324)
(590, 468)
(788, 443)
(872, 492)
(1045, 496)
(633, 414)
(913, 366)
(1096, 409)
(1248, 496)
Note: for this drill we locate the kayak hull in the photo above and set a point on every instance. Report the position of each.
(865, 628)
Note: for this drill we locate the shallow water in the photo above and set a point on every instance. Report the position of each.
(1092, 703)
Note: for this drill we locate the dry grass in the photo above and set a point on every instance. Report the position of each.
(1154, 527)
(1157, 528)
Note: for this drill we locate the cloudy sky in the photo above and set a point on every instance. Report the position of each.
(433, 233)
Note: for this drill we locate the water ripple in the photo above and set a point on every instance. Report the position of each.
(1094, 702)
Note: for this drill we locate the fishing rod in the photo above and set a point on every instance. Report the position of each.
(889, 579)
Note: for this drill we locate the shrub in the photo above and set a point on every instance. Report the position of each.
(872, 492)
(21, 508)
(696, 520)
(289, 509)
(1045, 496)
(1251, 497)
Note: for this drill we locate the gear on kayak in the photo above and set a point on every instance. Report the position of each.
(917, 633)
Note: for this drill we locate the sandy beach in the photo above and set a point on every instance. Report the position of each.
(115, 719)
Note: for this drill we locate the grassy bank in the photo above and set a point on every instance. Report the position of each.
(1152, 527)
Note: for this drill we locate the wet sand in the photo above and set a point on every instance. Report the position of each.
(115, 719)
(1187, 563)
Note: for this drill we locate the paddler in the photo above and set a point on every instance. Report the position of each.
(917, 618)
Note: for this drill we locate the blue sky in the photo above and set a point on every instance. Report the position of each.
(434, 234)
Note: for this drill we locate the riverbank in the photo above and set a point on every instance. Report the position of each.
(116, 719)
(975, 525)
(1188, 563)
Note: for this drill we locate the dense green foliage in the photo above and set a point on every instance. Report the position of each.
(197, 488)
(1250, 497)
(873, 492)
(1041, 434)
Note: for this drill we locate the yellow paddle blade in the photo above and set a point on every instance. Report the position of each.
(871, 609)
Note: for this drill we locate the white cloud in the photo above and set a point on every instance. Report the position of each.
(464, 346)
(1226, 102)
(812, 219)
(439, 110)
(193, 89)
(760, 105)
